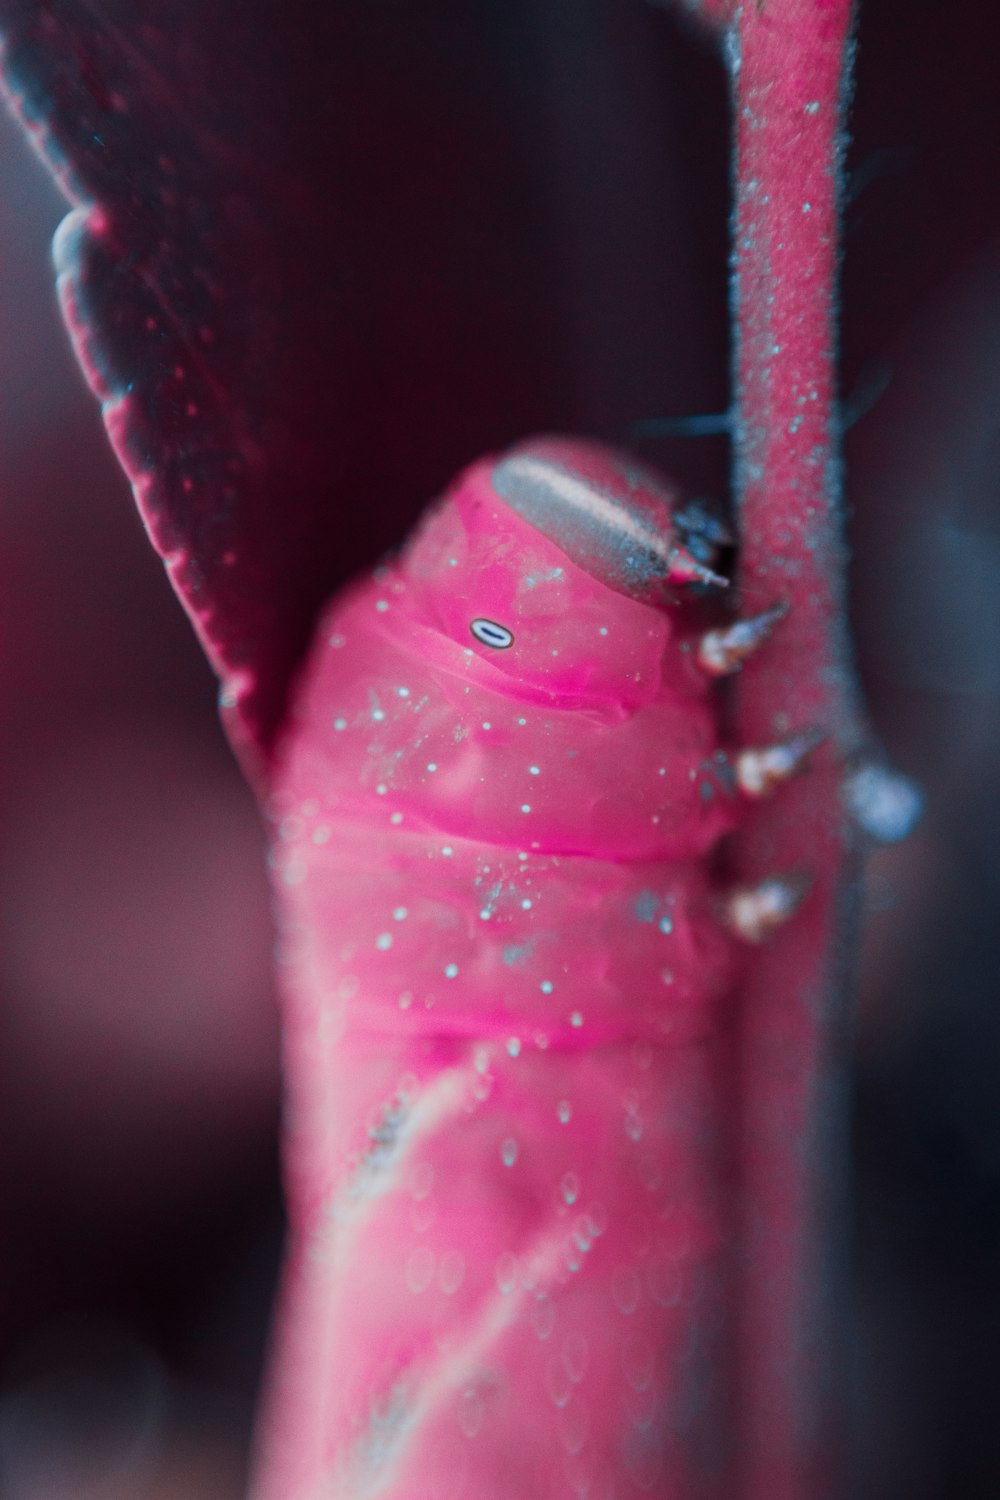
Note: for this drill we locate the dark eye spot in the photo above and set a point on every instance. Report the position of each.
(492, 634)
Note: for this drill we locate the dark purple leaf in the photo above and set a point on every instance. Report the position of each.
(306, 278)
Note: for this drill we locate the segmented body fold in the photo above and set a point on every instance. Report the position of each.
(505, 984)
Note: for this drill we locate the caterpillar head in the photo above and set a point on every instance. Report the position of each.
(557, 564)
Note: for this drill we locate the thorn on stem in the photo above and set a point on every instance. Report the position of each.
(760, 771)
(724, 650)
(754, 913)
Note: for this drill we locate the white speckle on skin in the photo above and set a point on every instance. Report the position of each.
(420, 1269)
(543, 1317)
(381, 789)
(339, 724)
(383, 941)
(432, 765)
(637, 1363)
(421, 1181)
(625, 1289)
(575, 1353)
(526, 807)
(546, 986)
(597, 1216)
(564, 1110)
(508, 1151)
(396, 817)
(400, 914)
(526, 904)
(450, 971)
(534, 770)
(514, 1046)
(381, 605)
(642, 1055)
(506, 1273)
(557, 1382)
(451, 1272)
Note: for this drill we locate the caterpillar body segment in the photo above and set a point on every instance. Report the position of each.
(507, 962)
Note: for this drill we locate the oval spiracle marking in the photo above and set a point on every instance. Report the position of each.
(491, 633)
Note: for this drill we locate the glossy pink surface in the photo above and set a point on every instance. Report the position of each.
(503, 979)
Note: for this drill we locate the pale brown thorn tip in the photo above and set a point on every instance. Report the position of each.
(725, 649)
(755, 912)
(760, 771)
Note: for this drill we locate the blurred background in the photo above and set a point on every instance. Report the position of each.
(140, 1227)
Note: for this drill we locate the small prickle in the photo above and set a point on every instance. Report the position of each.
(724, 650)
(755, 912)
(759, 771)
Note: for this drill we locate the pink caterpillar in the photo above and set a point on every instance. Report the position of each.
(505, 965)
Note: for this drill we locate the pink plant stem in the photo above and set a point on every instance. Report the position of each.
(789, 60)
